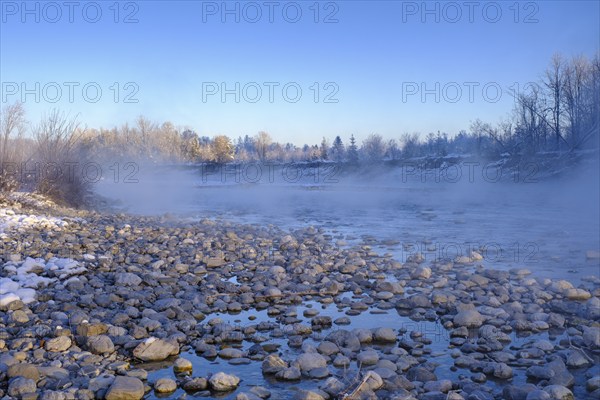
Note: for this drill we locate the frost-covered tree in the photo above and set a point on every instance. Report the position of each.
(323, 150)
(262, 141)
(190, 145)
(222, 149)
(352, 151)
(373, 148)
(337, 150)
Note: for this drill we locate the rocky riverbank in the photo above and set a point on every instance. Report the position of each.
(91, 302)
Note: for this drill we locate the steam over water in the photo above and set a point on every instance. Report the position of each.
(546, 225)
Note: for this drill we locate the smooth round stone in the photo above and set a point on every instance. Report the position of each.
(384, 295)
(368, 357)
(182, 365)
(230, 352)
(310, 312)
(319, 373)
(222, 382)
(341, 361)
(165, 385)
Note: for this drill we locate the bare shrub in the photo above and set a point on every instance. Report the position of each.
(60, 159)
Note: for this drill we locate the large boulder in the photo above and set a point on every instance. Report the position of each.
(153, 349)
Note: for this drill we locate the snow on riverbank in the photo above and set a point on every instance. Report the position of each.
(11, 220)
(22, 278)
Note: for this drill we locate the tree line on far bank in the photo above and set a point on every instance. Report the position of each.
(560, 113)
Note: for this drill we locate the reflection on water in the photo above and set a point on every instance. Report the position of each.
(437, 351)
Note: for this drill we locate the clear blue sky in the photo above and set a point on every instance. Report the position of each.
(373, 55)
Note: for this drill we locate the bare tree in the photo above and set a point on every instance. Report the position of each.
(57, 137)
(12, 127)
(145, 129)
(575, 75)
(555, 82)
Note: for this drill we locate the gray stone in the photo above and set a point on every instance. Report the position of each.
(127, 279)
(502, 371)
(272, 364)
(24, 370)
(290, 374)
(230, 352)
(165, 385)
(222, 382)
(21, 386)
(517, 392)
(444, 386)
(182, 365)
(558, 392)
(372, 380)
(154, 349)
(539, 372)
(125, 388)
(420, 374)
(307, 395)
(308, 361)
(384, 335)
(593, 384)
(195, 384)
(537, 394)
(591, 337)
(101, 382)
(333, 386)
(368, 357)
(421, 272)
(100, 344)
(468, 318)
(53, 395)
(327, 348)
(58, 344)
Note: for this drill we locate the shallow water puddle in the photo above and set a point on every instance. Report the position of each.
(438, 351)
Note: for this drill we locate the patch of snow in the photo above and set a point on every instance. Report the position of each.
(64, 267)
(30, 264)
(8, 285)
(32, 281)
(24, 277)
(10, 220)
(26, 295)
(6, 299)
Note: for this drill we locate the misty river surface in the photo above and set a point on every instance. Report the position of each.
(546, 225)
